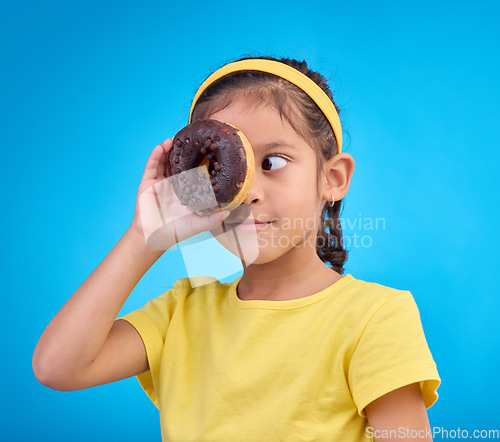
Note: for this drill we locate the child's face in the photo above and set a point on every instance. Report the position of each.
(284, 193)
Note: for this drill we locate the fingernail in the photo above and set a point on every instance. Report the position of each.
(225, 214)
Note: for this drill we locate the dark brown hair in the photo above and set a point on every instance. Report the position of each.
(306, 119)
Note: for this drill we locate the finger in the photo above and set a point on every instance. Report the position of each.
(213, 221)
(162, 167)
(216, 219)
(193, 224)
(167, 144)
(151, 169)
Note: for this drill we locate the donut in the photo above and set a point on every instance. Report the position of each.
(230, 166)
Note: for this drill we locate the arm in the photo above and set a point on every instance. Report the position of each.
(66, 356)
(84, 345)
(401, 410)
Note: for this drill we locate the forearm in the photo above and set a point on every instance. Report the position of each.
(76, 334)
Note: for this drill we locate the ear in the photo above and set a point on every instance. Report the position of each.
(337, 174)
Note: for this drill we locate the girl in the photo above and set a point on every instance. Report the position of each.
(293, 349)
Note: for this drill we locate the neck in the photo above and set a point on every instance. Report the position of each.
(296, 274)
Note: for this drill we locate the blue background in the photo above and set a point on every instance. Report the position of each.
(89, 88)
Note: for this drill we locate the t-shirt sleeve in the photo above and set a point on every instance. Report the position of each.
(392, 352)
(151, 322)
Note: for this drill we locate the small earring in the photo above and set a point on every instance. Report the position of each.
(333, 201)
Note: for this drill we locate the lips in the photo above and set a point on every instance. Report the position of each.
(247, 221)
(243, 216)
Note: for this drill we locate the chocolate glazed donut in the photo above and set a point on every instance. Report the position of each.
(230, 163)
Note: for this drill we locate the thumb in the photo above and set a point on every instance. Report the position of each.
(216, 218)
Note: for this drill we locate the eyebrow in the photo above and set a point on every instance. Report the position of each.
(268, 146)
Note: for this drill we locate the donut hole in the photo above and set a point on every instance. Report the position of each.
(209, 165)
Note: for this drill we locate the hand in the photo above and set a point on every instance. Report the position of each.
(159, 215)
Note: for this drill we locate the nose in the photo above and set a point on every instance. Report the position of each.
(254, 197)
(256, 191)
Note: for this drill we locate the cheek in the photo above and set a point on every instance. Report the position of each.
(295, 189)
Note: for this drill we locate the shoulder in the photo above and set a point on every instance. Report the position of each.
(372, 291)
(199, 283)
(375, 313)
(364, 299)
(198, 286)
(382, 311)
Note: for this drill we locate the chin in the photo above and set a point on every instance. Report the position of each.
(266, 256)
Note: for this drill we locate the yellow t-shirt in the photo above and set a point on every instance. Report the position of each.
(227, 370)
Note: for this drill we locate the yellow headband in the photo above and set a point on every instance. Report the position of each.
(288, 73)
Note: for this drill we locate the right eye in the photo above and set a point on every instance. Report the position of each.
(278, 161)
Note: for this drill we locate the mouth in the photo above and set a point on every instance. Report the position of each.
(243, 217)
(250, 226)
(248, 222)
